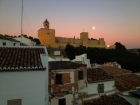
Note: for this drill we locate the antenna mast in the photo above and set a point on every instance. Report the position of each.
(21, 18)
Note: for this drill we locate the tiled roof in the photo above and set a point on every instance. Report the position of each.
(56, 65)
(107, 100)
(97, 74)
(127, 82)
(8, 38)
(17, 58)
(114, 70)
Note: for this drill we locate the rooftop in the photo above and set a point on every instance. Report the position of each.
(97, 74)
(127, 82)
(114, 70)
(135, 93)
(56, 65)
(8, 38)
(107, 100)
(20, 58)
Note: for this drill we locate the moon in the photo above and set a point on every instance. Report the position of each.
(93, 28)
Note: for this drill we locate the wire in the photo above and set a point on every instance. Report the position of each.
(28, 23)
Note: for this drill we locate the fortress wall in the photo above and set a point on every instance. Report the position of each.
(101, 41)
(59, 45)
(93, 42)
(63, 40)
(77, 41)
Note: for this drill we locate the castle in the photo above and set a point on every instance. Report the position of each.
(47, 37)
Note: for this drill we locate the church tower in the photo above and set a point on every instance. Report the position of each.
(46, 35)
(46, 24)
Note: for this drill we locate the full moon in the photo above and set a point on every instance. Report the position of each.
(93, 28)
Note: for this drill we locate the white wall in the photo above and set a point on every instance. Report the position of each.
(8, 43)
(56, 52)
(108, 85)
(25, 41)
(82, 86)
(84, 59)
(26, 85)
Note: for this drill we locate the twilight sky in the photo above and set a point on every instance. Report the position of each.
(114, 20)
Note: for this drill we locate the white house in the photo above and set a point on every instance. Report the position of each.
(8, 42)
(66, 81)
(99, 83)
(25, 40)
(83, 59)
(23, 76)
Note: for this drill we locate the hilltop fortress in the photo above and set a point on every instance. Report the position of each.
(47, 37)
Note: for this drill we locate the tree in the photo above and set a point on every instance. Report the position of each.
(119, 46)
(37, 41)
(70, 51)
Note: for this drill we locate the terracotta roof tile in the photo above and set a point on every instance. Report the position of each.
(97, 74)
(12, 58)
(127, 82)
(114, 70)
(56, 65)
(107, 100)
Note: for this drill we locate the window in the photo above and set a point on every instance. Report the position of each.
(58, 78)
(80, 75)
(4, 43)
(62, 101)
(100, 88)
(14, 44)
(14, 102)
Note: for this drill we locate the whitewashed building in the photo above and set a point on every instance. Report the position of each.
(8, 42)
(25, 41)
(83, 59)
(98, 83)
(23, 76)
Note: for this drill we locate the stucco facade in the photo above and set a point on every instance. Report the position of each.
(47, 37)
(24, 75)
(8, 42)
(25, 40)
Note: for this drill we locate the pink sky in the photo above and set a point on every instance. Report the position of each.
(115, 21)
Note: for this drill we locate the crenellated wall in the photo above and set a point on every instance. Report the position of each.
(47, 38)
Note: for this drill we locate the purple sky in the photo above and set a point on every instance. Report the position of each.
(114, 20)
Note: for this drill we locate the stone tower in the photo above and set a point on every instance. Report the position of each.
(84, 38)
(46, 35)
(46, 24)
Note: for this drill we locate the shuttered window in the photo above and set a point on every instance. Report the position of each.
(100, 88)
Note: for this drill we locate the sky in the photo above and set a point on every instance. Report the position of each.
(114, 20)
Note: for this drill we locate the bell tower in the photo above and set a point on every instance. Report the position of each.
(46, 24)
(46, 35)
